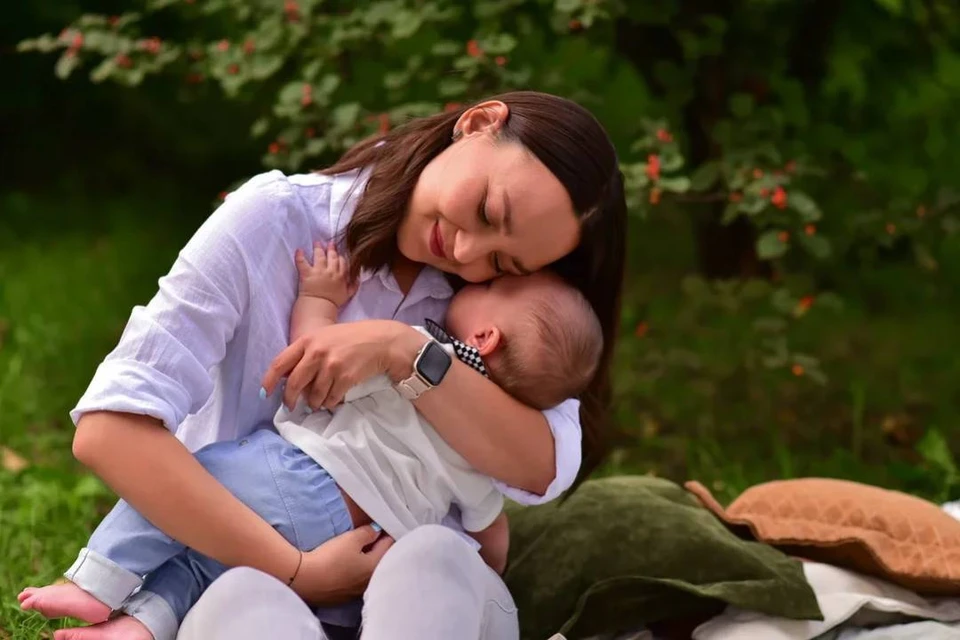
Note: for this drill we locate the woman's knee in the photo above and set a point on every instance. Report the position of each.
(245, 603)
(430, 545)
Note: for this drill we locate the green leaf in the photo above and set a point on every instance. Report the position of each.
(345, 115)
(804, 205)
(499, 44)
(705, 176)
(568, 6)
(741, 105)
(770, 246)
(66, 64)
(449, 87)
(730, 213)
(259, 127)
(406, 23)
(935, 450)
(446, 48)
(893, 6)
(816, 244)
(680, 184)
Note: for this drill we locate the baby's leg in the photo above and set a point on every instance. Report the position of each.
(108, 570)
(275, 479)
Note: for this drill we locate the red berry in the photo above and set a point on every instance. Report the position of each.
(222, 195)
(797, 370)
(810, 229)
(790, 167)
(653, 166)
(575, 25)
(310, 132)
(194, 78)
(223, 45)
(655, 196)
(77, 41)
(113, 20)
(891, 228)
(757, 174)
(452, 106)
(233, 69)
(274, 148)
(806, 302)
(779, 198)
(664, 136)
(123, 61)
(783, 237)
(248, 46)
(306, 100)
(290, 6)
(736, 196)
(764, 192)
(473, 49)
(641, 330)
(384, 123)
(500, 60)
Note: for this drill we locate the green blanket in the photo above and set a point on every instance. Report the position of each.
(626, 551)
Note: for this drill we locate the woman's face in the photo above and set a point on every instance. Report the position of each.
(483, 208)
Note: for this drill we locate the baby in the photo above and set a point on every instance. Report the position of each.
(371, 459)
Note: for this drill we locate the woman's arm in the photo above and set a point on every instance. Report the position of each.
(495, 433)
(143, 462)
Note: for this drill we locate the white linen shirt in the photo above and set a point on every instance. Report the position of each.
(194, 356)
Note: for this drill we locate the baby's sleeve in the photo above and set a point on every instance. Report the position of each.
(480, 514)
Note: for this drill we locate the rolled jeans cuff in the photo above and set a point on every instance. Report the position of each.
(103, 578)
(155, 614)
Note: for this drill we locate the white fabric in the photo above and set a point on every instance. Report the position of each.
(841, 594)
(194, 356)
(389, 459)
(429, 586)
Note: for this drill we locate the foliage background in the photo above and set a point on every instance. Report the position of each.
(792, 293)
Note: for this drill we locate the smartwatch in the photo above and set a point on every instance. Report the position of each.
(429, 368)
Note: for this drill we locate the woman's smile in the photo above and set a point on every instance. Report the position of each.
(436, 242)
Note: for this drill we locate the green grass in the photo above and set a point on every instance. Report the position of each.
(704, 411)
(63, 302)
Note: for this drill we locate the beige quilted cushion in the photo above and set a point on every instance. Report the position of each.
(906, 540)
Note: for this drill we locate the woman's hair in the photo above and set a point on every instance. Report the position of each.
(576, 149)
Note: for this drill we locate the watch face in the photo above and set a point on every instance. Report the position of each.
(433, 363)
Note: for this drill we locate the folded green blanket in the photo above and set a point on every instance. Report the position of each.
(626, 551)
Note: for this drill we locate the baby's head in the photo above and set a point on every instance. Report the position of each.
(538, 336)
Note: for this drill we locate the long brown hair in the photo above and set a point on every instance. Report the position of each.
(570, 142)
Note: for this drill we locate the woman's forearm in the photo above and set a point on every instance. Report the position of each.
(149, 468)
(495, 433)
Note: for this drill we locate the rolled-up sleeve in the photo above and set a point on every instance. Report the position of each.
(564, 421)
(162, 365)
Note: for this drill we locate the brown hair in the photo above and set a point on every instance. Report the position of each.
(550, 350)
(570, 142)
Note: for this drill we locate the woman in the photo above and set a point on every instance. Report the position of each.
(510, 185)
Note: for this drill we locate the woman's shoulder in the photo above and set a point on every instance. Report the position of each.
(328, 199)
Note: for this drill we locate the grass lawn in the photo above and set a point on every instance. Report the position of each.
(691, 401)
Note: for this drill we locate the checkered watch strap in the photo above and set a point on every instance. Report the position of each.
(464, 352)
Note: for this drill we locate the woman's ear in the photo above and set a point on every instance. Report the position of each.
(486, 341)
(486, 117)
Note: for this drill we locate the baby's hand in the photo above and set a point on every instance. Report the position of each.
(327, 277)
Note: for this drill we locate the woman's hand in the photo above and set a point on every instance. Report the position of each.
(339, 569)
(324, 364)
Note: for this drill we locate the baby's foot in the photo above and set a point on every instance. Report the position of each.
(122, 628)
(63, 601)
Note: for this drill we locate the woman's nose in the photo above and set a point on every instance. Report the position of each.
(469, 247)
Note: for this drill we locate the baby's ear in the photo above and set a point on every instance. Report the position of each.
(486, 341)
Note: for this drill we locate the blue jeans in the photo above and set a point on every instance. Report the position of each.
(134, 567)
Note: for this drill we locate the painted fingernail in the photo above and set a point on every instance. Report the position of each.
(377, 528)
(263, 393)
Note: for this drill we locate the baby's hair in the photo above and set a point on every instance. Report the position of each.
(551, 352)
